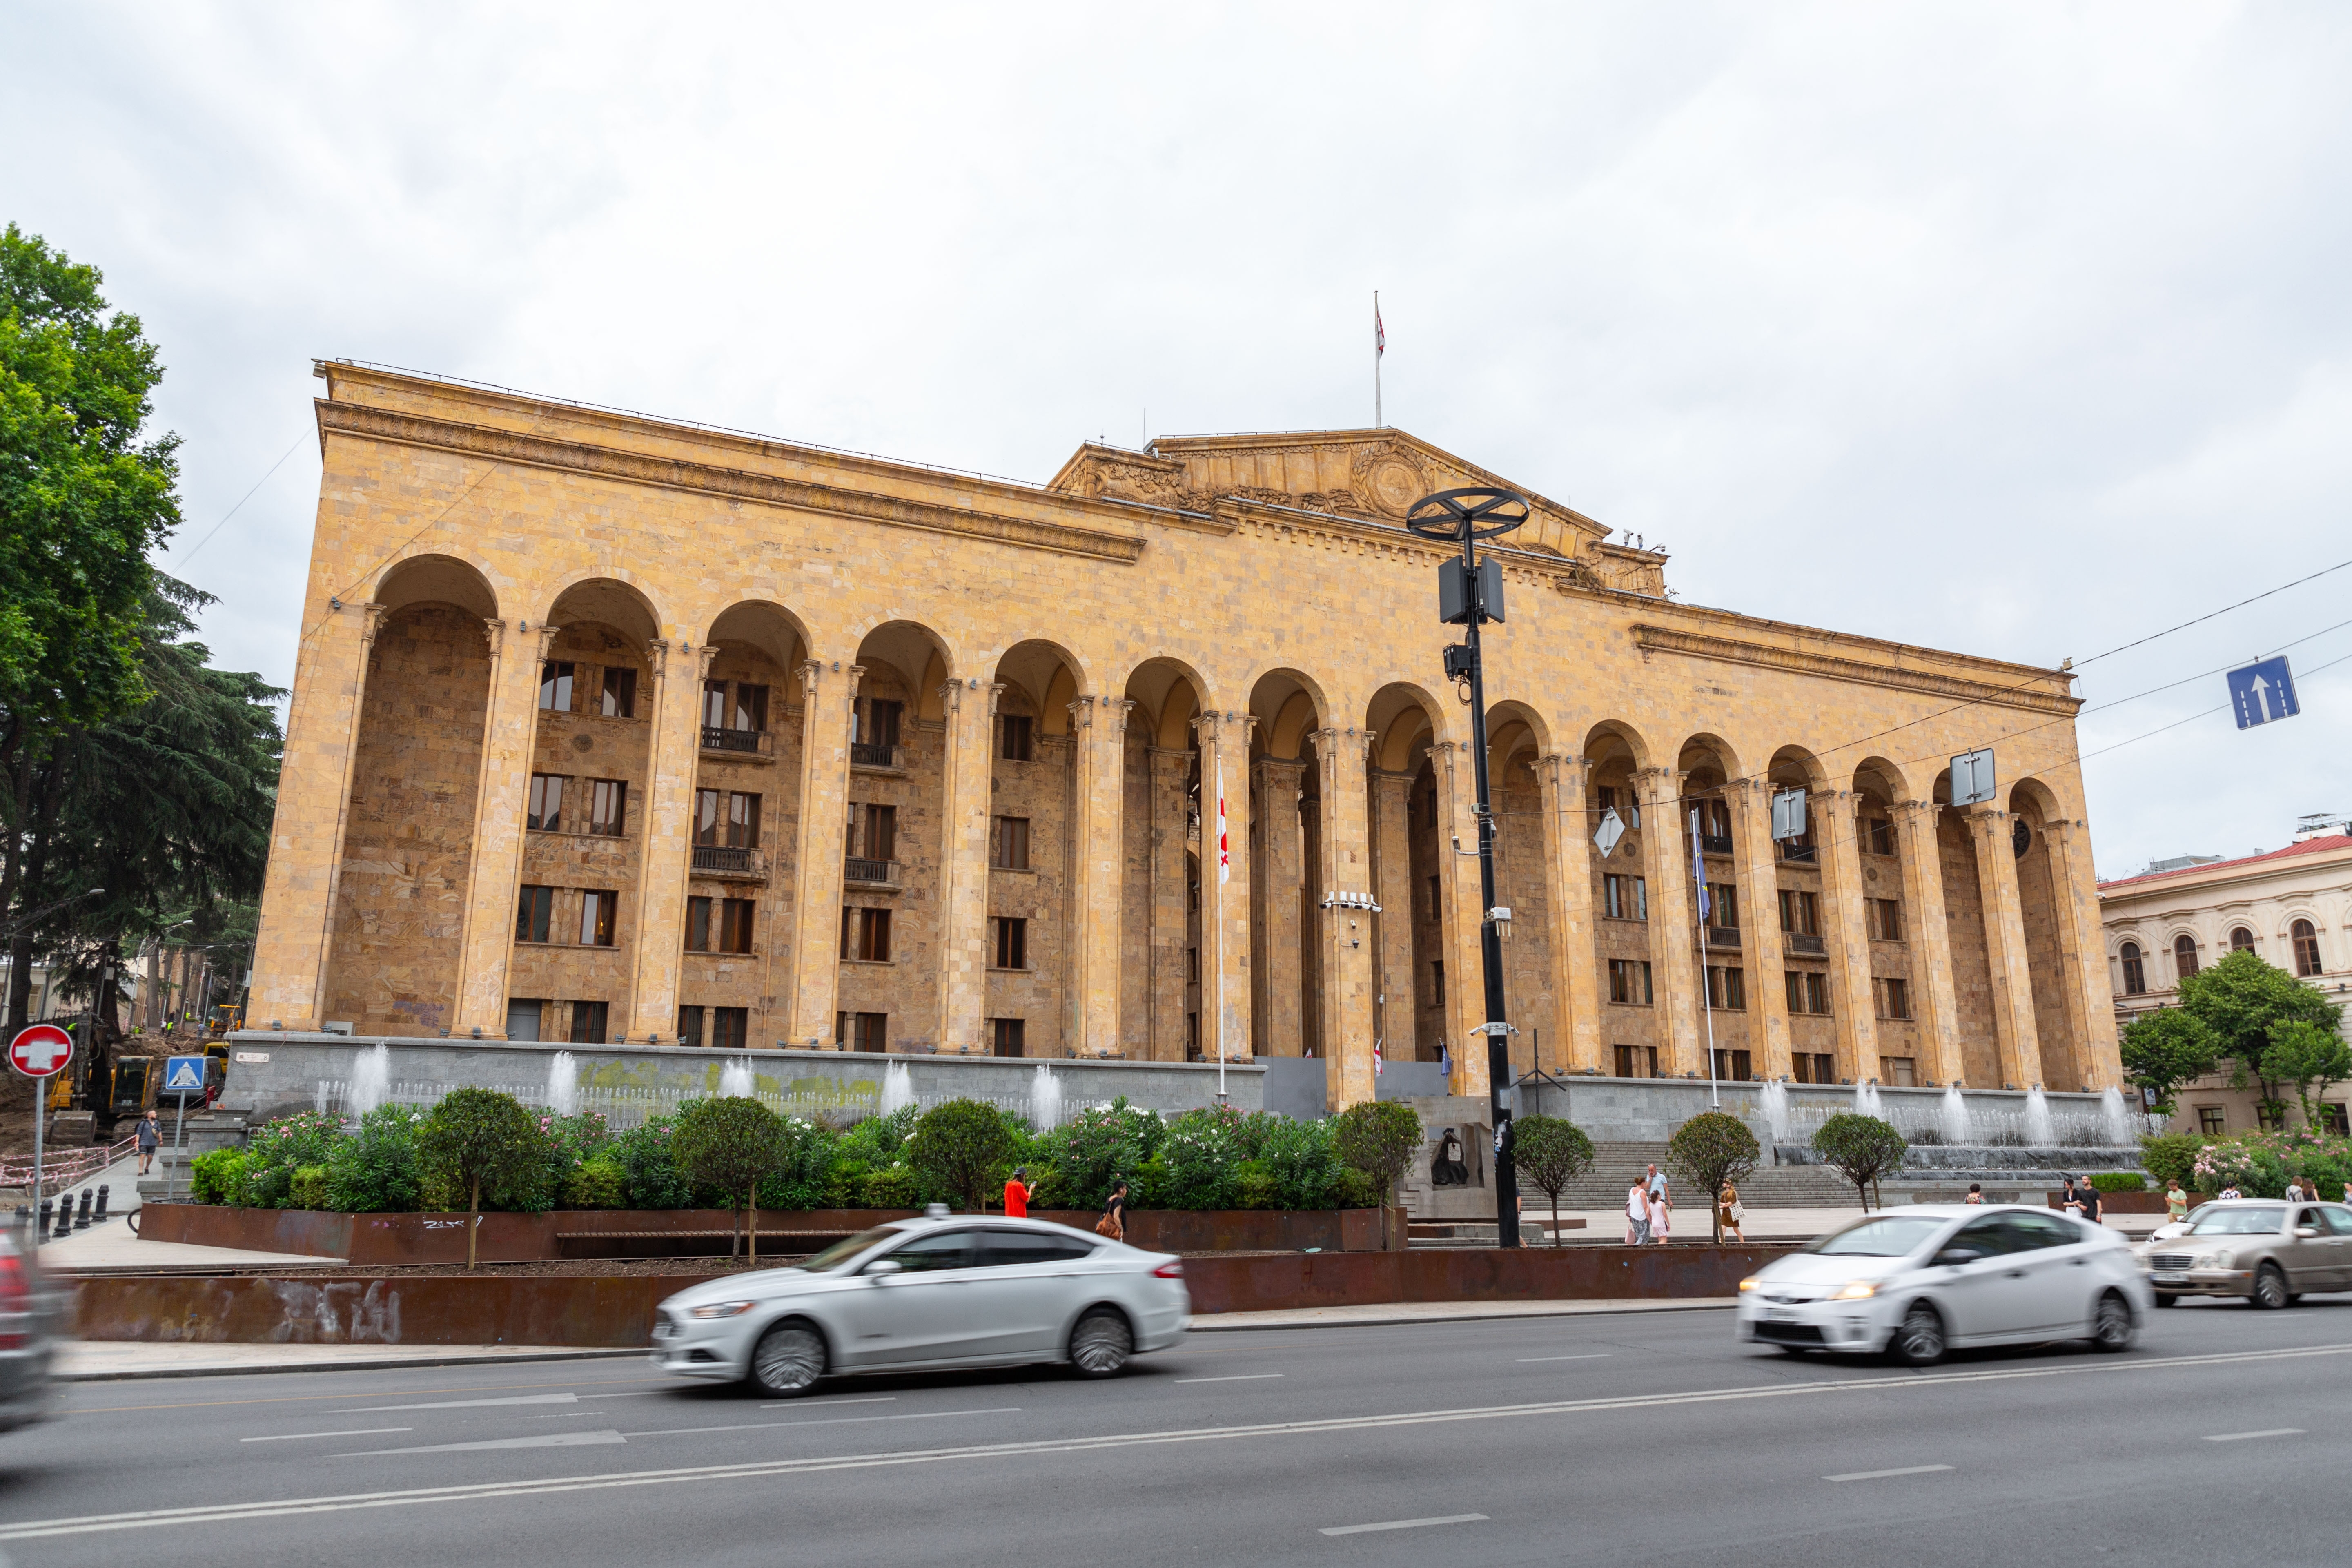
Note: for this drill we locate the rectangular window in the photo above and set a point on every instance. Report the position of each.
(690, 1025)
(555, 685)
(729, 1025)
(735, 925)
(709, 805)
(1625, 897)
(878, 721)
(714, 704)
(608, 806)
(1881, 836)
(1726, 988)
(546, 802)
(862, 1031)
(1732, 1067)
(1894, 996)
(750, 707)
(743, 821)
(1801, 912)
(588, 1023)
(1012, 941)
(1012, 1035)
(1020, 746)
(619, 698)
(874, 832)
(866, 935)
(1435, 897)
(697, 925)
(1438, 983)
(1637, 1061)
(533, 910)
(523, 1017)
(1008, 843)
(2270, 1118)
(1629, 982)
(1809, 990)
(2334, 1122)
(2212, 1119)
(1813, 1067)
(1900, 1072)
(1886, 919)
(597, 909)
(1723, 905)
(1715, 823)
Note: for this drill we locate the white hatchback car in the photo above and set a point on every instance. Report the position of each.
(918, 1294)
(1916, 1281)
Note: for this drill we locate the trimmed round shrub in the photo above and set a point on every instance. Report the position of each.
(597, 1183)
(963, 1148)
(377, 1169)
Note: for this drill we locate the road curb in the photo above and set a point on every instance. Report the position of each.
(388, 1363)
(1566, 1309)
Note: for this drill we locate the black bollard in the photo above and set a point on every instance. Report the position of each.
(65, 1218)
(24, 1217)
(81, 1220)
(100, 1217)
(42, 1229)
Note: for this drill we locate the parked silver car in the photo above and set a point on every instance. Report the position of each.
(2266, 1251)
(924, 1293)
(32, 1314)
(1916, 1281)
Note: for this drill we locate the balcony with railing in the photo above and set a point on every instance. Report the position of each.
(1715, 844)
(729, 860)
(734, 743)
(1800, 854)
(857, 871)
(1727, 937)
(876, 757)
(1800, 942)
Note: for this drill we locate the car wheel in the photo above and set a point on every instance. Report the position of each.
(788, 1361)
(2167, 1298)
(1101, 1342)
(2269, 1287)
(2111, 1326)
(1920, 1339)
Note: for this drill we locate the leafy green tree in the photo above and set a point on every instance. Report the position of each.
(1860, 1147)
(2166, 1049)
(479, 1138)
(1379, 1138)
(731, 1144)
(1711, 1149)
(2310, 1057)
(1551, 1152)
(2239, 999)
(376, 1169)
(2171, 1156)
(962, 1147)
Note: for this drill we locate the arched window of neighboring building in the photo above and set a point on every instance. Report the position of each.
(2184, 956)
(2241, 940)
(2134, 978)
(2307, 947)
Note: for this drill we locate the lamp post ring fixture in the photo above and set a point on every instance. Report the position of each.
(1478, 512)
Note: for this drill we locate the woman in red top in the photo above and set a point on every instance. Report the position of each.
(1017, 1194)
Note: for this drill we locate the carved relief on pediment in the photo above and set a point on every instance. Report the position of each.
(1388, 477)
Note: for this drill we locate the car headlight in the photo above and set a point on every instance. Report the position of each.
(1750, 1283)
(719, 1310)
(1860, 1290)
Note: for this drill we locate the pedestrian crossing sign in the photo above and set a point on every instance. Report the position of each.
(184, 1075)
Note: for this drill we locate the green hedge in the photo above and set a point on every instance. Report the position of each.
(2119, 1181)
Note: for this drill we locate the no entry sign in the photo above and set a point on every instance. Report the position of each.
(39, 1050)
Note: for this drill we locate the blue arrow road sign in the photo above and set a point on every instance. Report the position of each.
(2261, 692)
(184, 1075)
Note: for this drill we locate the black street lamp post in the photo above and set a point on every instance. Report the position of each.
(1469, 593)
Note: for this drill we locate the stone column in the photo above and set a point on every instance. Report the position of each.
(1846, 932)
(2081, 949)
(1463, 916)
(1224, 892)
(1274, 890)
(1759, 881)
(2004, 918)
(828, 700)
(509, 735)
(1168, 973)
(1928, 935)
(1100, 832)
(1568, 879)
(1349, 933)
(1674, 936)
(967, 781)
(1391, 836)
(666, 847)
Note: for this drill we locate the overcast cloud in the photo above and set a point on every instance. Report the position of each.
(2021, 330)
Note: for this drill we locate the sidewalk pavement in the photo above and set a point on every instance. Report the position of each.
(112, 1248)
(1607, 1226)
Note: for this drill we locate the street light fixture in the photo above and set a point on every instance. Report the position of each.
(1470, 594)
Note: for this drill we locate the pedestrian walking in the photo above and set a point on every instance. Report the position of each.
(1657, 1183)
(2087, 1204)
(1637, 1214)
(1662, 1208)
(1976, 1192)
(1018, 1191)
(149, 1138)
(2347, 1192)
(1113, 1223)
(2176, 1201)
(2066, 1198)
(2294, 1190)
(1732, 1211)
(2229, 1193)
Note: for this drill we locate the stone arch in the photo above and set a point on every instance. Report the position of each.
(1881, 779)
(1169, 694)
(911, 657)
(1405, 720)
(1161, 901)
(1041, 679)
(1286, 705)
(765, 626)
(436, 579)
(1285, 823)
(1615, 737)
(606, 601)
(1794, 767)
(1709, 755)
(2032, 805)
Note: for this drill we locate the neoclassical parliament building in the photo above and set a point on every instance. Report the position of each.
(607, 729)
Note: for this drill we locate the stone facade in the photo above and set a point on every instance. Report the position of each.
(868, 754)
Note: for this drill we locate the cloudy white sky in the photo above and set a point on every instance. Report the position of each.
(2017, 329)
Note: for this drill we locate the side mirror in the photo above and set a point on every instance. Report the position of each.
(1953, 1257)
(881, 1269)
(2306, 1233)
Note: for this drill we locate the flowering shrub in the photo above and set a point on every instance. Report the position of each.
(2260, 1163)
(375, 1170)
(1076, 1162)
(276, 1150)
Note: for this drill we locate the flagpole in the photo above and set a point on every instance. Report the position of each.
(1222, 933)
(1379, 422)
(1706, 990)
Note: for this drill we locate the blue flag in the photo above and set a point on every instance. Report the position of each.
(1698, 869)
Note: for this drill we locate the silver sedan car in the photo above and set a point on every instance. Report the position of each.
(2269, 1252)
(1913, 1282)
(924, 1293)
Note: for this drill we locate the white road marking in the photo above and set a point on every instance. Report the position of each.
(828, 1403)
(1882, 1475)
(2241, 1436)
(217, 1514)
(1403, 1525)
(551, 1440)
(462, 1404)
(634, 1393)
(1596, 1355)
(829, 1421)
(355, 1432)
(1236, 1377)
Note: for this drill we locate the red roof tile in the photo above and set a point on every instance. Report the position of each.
(2308, 846)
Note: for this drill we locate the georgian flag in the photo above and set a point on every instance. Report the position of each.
(1225, 850)
(1380, 333)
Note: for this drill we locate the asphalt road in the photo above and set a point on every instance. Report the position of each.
(1618, 1439)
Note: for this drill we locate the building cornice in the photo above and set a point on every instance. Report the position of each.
(369, 423)
(1652, 639)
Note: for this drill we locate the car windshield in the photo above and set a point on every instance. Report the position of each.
(851, 1247)
(1881, 1236)
(2219, 1221)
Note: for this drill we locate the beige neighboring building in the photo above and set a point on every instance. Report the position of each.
(606, 728)
(2291, 906)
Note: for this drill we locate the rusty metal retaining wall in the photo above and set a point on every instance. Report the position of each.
(1467, 1274)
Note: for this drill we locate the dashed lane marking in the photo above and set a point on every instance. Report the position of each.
(2241, 1436)
(1882, 1475)
(354, 1432)
(1402, 1524)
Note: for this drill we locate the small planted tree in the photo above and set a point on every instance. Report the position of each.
(962, 1147)
(732, 1145)
(479, 1138)
(1378, 1138)
(1860, 1147)
(1551, 1152)
(1713, 1148)
(2310, 1057)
